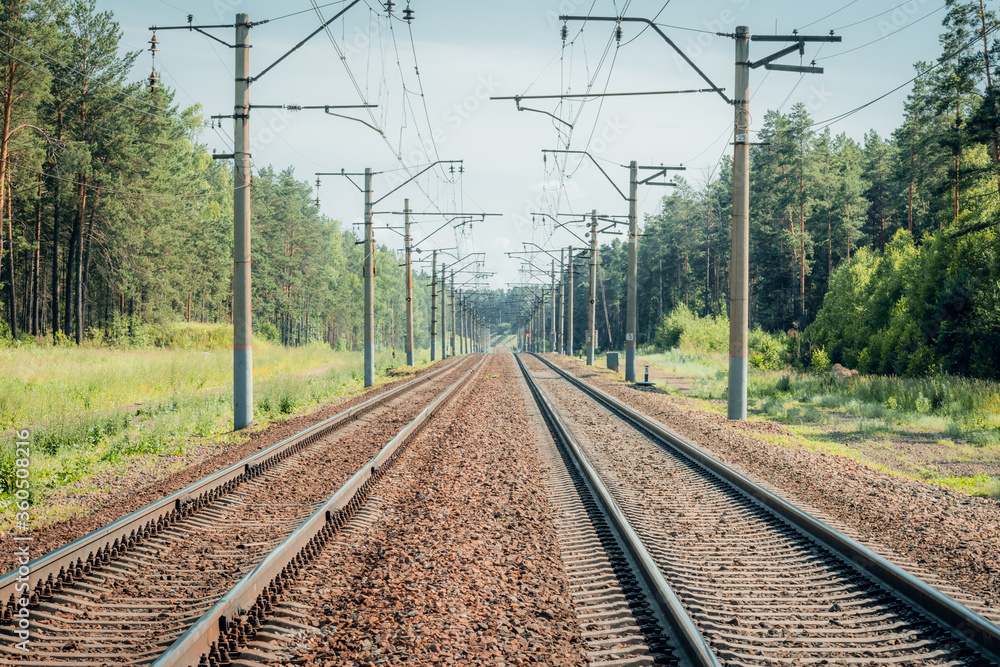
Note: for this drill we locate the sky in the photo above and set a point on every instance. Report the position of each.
(432, 81)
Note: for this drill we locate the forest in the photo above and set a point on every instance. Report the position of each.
(116, 217)
(880, 250)
(883, 251)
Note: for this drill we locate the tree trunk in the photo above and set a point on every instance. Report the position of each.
(36, 268)
(958, 155)
(86, 256)
(77, 273)
(8, 104)
(55, 232)
(912, 158)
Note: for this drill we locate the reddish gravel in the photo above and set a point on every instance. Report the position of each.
(950, 534)
(462, 565)
(134, 492)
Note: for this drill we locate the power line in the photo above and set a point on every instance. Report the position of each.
(941, 61)
(278, 18)
(891, 9)
(852, 2)
(891, 34)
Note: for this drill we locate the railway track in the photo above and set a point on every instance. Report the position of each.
(189, 579)
(734, 574)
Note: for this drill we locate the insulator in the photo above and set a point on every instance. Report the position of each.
(153, 43)
(618, 34)
(408, 13)
(565, 32)
(388, 7)
(153, 79)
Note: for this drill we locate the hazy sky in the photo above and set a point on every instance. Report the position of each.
(469, 51)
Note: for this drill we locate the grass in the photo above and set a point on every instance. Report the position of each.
(920, 427)
(95, 410)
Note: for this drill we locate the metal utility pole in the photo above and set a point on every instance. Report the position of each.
(444, 311)
(434, 304)
(242, 307)
(562, 304)
(453, 317)
(555, 348)
(631, 323)
(409, 282)
(369, 295)
(461, 323)
(739, 273)
(592, 310)
(542, 333)
(570, 350)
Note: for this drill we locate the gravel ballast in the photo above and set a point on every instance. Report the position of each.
(133, 491)
(461, 565)
(950, 534)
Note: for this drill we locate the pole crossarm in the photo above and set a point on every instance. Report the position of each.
(628, 19)
(518, 98)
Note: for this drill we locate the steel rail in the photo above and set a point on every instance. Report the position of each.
(216, 631)
(979, 632)
(61, 565)
(664, 599)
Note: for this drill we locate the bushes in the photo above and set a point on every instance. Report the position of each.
(685, 330)
(916, 310)
(767, 351)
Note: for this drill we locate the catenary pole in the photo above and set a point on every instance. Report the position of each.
(592, 310)
(242, 322)
(461, 323)
(444, 311)
(434, 303)
(454, 317)
(570, 350)
(562, 303)
(409, 283)
(739, 274)
(631, 323)
(555, 348)
(369, 284)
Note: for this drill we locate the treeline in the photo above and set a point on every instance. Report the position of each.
(113, 211)
(825, 210)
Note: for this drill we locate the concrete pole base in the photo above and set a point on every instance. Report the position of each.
(630, 363)
(738, 388)
(242, 388)
(369, 364)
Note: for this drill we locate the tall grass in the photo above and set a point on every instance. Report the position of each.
(123, 404)
(41, 384)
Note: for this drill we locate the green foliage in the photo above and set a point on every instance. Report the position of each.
(916, 311)
(767, 351)
(820, 362)
(684, 330)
